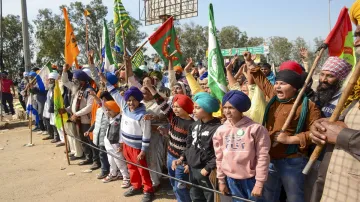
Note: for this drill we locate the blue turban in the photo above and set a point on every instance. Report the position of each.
(80, 75)
(204, 75)
(32, 74)
(135, 92)
(209, 103)
(237, 99)
(112, 79)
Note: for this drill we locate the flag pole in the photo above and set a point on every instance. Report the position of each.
(87, 35)
(30, 144)
(301, 93)
(335, 115)
(124, 47)
(65, 139)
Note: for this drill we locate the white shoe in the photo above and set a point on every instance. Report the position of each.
(44, 132)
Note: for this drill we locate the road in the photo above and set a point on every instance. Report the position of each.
(40, 173)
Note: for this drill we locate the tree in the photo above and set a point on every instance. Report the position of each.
(232, 37)
(297, 44)
(280, 49)
(133, 39)
(193, 40)
(49, 35)
(255, 41)
(95, 25)
(50, 31)
(13, 43)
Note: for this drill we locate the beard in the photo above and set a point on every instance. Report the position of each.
(325, 92)
(178, 76)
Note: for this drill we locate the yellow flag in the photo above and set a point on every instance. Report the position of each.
(257, 59)
(86, 12)
(71, 47)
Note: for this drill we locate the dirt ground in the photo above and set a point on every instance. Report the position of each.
(40, 173)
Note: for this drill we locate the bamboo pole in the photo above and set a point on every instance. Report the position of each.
(30, 122)
(87, 37)
(65, 139)
(124, 56)
(335, 115)
(301, 93)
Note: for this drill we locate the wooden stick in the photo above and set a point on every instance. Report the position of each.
(30, 120)
(87, 37)
(335, 115)
(124, 47)
(172, 54)
(65, 139)
(301, 93)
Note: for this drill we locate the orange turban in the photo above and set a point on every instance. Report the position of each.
(355, 12)
(112, 106)
(178, 69)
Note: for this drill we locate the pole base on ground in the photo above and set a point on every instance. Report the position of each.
(29, 145)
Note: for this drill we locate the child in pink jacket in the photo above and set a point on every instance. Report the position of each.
(241, 148)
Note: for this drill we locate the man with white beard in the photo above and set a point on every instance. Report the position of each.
(157, 78)
(80, 111)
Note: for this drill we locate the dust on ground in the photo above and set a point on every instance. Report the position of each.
(40, 173)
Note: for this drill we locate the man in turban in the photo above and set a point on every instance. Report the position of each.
(337, 172)
(48, 114)
(80, 110)
(332, 76)
(157, 78)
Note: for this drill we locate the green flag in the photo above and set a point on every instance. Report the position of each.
(121, 21)
(108, 61)
(217, 79)
(165, 42)
(138, 59)
(59, 104)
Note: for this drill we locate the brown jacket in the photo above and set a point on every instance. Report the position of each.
(278, 114)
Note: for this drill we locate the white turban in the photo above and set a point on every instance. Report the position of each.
(87, 71)
(53, 75)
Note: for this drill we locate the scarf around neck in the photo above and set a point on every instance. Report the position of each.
(299, 128)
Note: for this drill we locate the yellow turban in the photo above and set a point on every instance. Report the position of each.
(355, 12)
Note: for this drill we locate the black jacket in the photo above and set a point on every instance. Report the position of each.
(199, 151)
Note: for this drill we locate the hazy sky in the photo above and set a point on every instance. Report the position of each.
(261, 18)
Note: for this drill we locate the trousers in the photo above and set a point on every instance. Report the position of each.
(115, 163)
(197, 194)
(181, 191)
(288, 173)
(8, 98)
(138, 176)
(75, 145)
(155, 157)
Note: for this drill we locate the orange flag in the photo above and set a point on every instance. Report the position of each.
(71, 47)
(86, 12)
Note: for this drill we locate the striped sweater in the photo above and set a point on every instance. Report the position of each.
(131, 122)
(179, 128)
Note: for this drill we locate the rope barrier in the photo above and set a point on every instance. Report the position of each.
(162, 174)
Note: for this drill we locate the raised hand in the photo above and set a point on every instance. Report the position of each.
(304, 54)
(188, 67)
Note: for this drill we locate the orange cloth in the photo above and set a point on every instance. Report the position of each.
(71, 47)
(178, 69)
(94, 108)
(112, 106)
